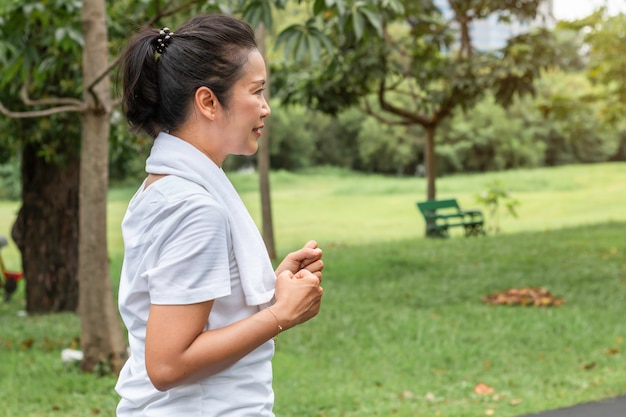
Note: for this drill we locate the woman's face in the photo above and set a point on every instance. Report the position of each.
(244, 119)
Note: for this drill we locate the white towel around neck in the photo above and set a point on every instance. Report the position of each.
(173, 156)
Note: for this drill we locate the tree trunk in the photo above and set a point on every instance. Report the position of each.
(263, 164)
(430, 162)
(46, 231)
(102, 339)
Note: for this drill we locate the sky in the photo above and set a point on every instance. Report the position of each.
(575, 9)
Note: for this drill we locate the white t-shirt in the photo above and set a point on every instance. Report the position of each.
(178, 250)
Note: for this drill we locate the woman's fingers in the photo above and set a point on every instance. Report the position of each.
(311, 244)
(298, 299)
(309, 257)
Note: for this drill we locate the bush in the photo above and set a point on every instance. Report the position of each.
(10, 181)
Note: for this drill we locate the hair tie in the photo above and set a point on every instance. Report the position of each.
(163, 39)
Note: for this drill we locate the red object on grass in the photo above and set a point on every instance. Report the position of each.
(15, 276)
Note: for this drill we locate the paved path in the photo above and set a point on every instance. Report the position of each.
(611, 407)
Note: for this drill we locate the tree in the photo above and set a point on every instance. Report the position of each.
(603, 37)
(46, 229)
(102, 339)
(607, 64)
(34, 59)
(587, 105)
(413, 64)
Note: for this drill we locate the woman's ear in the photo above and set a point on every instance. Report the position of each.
(206, 102)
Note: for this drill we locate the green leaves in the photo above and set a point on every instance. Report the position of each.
(302, 41)
(35, 31)
(523, 59)
(361, 15)
(68, 34)
(494, 197)
(258, 11)
(338, 19)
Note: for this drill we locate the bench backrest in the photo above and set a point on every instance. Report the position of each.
(438, 205)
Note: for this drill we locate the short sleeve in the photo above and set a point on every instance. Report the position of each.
(192, 262)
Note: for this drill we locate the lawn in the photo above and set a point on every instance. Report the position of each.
(403, 330)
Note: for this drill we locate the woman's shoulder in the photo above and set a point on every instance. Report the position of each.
(174, 190)
(173, 196)
(172, 186)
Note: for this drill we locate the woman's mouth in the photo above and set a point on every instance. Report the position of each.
(257, 130)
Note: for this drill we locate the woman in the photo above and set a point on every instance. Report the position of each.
(197, 293)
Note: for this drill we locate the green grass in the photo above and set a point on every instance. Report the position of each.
(402, 330)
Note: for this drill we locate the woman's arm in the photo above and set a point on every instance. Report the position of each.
(179, 351)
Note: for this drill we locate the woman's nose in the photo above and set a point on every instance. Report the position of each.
(265, 109)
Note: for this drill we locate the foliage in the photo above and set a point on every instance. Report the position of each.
(573, 109)
(416, 62)
(389, 148)
(53, 34)
(128, 152)
(10, 181)
(490, 138)
(318, 69)
(603, 37)
(292, 148)
(10, 184)
(33, 35)
(494, 197)
(560, 124)
(337, 140)
(418, 50)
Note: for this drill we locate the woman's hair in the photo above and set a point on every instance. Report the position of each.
(158, 87)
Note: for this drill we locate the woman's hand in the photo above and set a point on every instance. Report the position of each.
(309, 258)
(298, 297)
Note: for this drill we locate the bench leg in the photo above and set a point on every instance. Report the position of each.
(474, 230)
(437, 233)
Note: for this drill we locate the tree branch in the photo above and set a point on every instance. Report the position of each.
(103, 74)
(169, 12)
(367, 109)
(46, 101)
(385, 105)
(41, 113)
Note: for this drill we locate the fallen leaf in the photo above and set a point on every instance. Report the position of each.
(589, 366)
(28, 343)
(611, 351)
(515, 401)
(483, 389)
(526, 296)
(489, 412)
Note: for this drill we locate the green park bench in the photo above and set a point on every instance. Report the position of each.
(441, 215)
